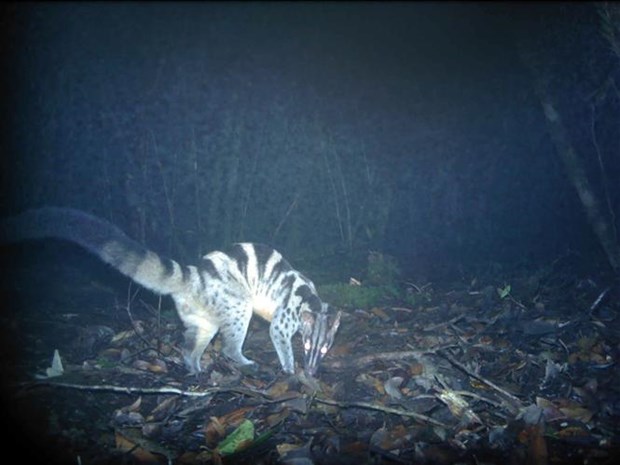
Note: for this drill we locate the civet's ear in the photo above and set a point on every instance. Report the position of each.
(332, 330)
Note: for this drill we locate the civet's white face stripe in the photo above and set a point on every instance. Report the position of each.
(318, 337)
(218, 295)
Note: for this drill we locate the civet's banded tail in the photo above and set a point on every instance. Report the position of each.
(218, 295)
(102, 238)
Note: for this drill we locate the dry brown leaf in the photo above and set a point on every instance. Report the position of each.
(122, 336)
(380, 313)
(214, 432)
(550, 410)
(391, 439)
(578, 413)
(134, 406)
(123, 443)
(458, 406)
(194, 458)
(597, 358)
(278, 389)
(158, 366)
(371, 381)
(285, 448)
(138, 452)
(354, 448)
(341, 349)
(567, 408)
(571, 432)
(416, 369)
(163, 409)
(151, 430)
(544, 403)
(277, 418)
(476, 384)
(141, 365)
(378, 385)
(111, 354)
(234, 418)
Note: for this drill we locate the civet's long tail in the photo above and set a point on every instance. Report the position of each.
(113, 246)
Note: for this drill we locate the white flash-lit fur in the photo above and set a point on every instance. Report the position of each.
(219, 295)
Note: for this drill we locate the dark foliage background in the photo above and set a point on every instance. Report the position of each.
(325, 130)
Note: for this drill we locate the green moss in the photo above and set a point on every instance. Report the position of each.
(382, 285)
(347, 296)
(382, 270)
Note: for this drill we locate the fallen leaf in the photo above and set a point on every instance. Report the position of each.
(235, 417)
(134, 406)
(214, 431)
(139, 453)
(285, 448)
(239, 439)
(578, 413)
(216, 428)
(158, 366)
(278, 389)
(379, 312)
(392, 439)
(56, 369)
(141, 365)
(416, 369)
(277, 418)
(123, 336)
(391, 387)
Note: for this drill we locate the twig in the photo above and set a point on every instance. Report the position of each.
(156, 390)
(444, 323)
(288, 212)
(512, 299)
(381, 408)
(214, 390)
(513, 403)
(402, 309)
(164, 181)
(368, 359)
(599, 299)
(336, 201)
(197, 194)
(248, 194)
(473, 395)
(134, 325)
(346, 202)
(169, 194)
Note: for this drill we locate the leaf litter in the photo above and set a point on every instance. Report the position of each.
(487, 370)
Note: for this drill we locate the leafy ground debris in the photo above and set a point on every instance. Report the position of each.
(521, 369)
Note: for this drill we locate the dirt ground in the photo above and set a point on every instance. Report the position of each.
(497, 369)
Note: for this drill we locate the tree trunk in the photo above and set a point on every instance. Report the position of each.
(574, 167)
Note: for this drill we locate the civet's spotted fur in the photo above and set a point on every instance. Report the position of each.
(218, 294)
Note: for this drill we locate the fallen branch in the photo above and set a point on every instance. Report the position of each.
(512, 403)
(444, 324)
(394, 411)
(362, 362)
(157, 390)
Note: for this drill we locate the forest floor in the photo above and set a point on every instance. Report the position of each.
(522, 370)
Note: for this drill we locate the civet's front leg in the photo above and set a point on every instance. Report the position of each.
(283, 326)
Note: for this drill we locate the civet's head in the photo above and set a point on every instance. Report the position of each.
(318, 336)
